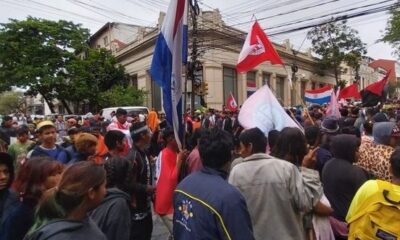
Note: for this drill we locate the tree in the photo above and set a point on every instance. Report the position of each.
(11, 102)
(35, 53)
(392, 31)
(335, 42)
(89, 77)
(122, 96)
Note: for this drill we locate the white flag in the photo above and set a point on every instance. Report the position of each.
(263, 110)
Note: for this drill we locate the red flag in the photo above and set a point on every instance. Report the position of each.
(377, 88)
(256, 49)
(231, 104)
(350, 92)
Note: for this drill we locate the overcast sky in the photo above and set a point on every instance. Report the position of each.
(93, 14)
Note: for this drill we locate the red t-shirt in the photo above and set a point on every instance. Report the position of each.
(166, 184)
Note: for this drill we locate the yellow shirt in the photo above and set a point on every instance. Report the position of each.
(366, 190)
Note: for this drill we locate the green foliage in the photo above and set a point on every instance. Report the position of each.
(335, 43)
(34, 54)
(392, 31)
(95, 73)
(341, 84)
(10, 102)
(122, 96)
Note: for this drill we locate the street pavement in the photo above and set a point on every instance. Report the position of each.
(160, 232)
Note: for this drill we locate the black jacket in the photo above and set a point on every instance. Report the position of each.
(113, 215)
(340, 178)
(8, 200)
(68, 229)
(143, 176)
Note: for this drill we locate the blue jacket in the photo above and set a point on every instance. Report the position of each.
(59, 154)
(208, 207)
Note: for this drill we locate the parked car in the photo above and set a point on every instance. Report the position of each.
(132, 110)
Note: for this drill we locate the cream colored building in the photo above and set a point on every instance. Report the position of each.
(220, 46)
(368, 75)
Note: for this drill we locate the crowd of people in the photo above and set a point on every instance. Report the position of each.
(331, 178)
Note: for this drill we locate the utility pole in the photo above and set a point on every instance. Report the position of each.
(194, 63)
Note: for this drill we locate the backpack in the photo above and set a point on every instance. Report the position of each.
(378, 217)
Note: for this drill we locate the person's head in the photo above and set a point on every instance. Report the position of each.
(291, 145)
(330, 125)
(344, 112)
(47, 133)
(119, 174)
(272, 138)
(313, 135)
(6, 171)
(121, 115)
(23, 134)
(351, 130)
(368, 124)
(86, 143)
(141, 134)
(345, 146)
(60, 118)
(386, 133)
(168, 137)
(37, 175)
(197, 135)
(252, 141)
(72, 132)
(71, 122)
(82, 188)
(215, 148)
(395, 164)
(114, 140)
(380, 117)
(7, 121)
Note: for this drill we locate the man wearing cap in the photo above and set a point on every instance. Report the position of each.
(329, 128)
(48, 136)
(142, 222)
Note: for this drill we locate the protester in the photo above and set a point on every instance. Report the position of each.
(169, 162)
(142, 222)
(293, 191)
(8, 198)
(340, 178)
(119, 122)
(33, 179)
(113, 215)
(19, 150)
(193, 162)
(329, 129)
(60, 127)
(85, 145)
(273, 136)
(48, 147)
(205, 205)
(375, 211)
(114, 140)
(374, 156)
(7, 129)
(63, 212)
(153, 121)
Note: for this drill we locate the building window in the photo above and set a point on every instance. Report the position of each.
(313, 85)
(230, 82)
(321, 85)
(105, 40)
(266, 79)
(280, 88)
(251, 85)
(133, 81)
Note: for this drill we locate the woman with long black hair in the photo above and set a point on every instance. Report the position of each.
(63, 213)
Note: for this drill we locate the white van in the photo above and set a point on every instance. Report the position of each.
(135, 110)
